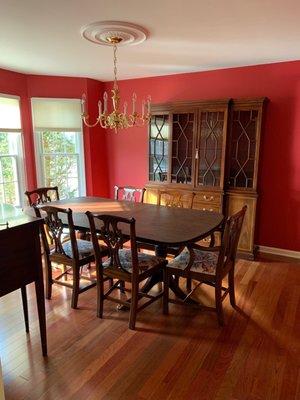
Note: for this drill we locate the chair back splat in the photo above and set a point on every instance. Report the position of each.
(42, 195)
(129, 193)
(179, 199)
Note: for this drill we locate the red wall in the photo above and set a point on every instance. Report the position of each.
(122, 158)
(28, 86)
(278, 222)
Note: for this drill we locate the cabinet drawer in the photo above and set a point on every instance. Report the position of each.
(208, 198)
(206, 206)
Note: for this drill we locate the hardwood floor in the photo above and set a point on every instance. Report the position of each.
(181, 356)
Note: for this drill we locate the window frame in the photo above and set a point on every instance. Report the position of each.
(39, 154)
(19, 157)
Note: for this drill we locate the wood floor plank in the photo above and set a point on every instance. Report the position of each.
(183, 356)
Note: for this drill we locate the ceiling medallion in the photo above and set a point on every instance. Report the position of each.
(115, 34)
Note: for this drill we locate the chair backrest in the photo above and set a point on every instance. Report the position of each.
(129, 193)
(175, 199)
(53, 229)
(108, 229)
(42, 195)
(230, 240)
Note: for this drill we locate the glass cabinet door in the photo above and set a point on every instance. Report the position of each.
(159, 148)
(209, 152)
(243, 148)
(183, 126)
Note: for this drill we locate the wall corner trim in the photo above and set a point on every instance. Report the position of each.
(279, 252)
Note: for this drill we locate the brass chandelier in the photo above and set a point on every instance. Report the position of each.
(118, 118)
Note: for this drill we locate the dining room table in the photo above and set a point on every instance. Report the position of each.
(161, 226)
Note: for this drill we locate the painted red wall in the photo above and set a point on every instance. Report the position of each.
(28, 86)
(278, 222)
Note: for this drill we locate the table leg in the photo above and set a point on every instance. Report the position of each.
(161, 251)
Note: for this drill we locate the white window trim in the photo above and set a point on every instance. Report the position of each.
(39, 162)
(38, 150)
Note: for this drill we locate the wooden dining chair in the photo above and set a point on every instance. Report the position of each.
(73, 253)
(172, 198)
(42, 195)
(176, 199)
(124, 265)
(129, 193)
(209, 265)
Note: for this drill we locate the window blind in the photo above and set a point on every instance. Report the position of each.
(10, 118)
(56, 114)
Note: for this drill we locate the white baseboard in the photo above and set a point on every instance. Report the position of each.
(279, 252)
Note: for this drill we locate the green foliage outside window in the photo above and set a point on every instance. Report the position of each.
(9, 192)
(60, 162)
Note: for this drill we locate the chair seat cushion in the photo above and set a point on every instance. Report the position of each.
(85, 248)
(146, 261)
(205, 261)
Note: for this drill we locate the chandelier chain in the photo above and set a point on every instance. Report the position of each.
(115, 67)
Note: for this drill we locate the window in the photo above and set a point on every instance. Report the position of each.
(11, 154)
(59, 145)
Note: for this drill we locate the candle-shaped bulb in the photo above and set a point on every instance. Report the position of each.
(125, 108)
(99, 108)
(105, 102)
(143, 108)
(133, 102)
(148, 104)
(83, 99)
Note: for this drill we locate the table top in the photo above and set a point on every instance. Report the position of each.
(154, 224)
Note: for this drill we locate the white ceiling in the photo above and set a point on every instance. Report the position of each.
(43, 36)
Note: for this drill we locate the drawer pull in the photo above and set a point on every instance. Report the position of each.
(204, 209)
(208, 198)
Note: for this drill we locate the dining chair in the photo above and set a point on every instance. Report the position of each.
(73, 253)
(124, 265)
(42, 195)
(129, 193)
(172, 198)
(209, 265)
(176, 199)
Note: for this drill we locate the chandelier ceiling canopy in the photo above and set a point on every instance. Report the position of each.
(116, 34)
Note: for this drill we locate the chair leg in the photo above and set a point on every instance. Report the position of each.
(39, 290)
(188, 284)
(219, 306)
(25, 307)
(122, 287)
(166, 293)
(100, 294)
(176, 280)
(75, 290)
(231, 287)
(134, 304)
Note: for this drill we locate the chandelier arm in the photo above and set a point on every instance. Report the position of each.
(85, 120)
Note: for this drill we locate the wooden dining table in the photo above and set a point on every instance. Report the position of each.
(161, 226)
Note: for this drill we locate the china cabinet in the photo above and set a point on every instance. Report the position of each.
(209, 148)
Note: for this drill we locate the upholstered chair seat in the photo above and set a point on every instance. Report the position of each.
(146, 261)
(204, 262)
(85, 248)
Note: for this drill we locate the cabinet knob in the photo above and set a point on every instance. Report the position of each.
(210, 198)
(197, 154)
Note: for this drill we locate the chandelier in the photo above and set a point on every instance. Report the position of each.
(115, 116)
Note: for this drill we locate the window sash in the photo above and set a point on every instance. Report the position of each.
(79, 154)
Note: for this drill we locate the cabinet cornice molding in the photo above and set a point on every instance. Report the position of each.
(190, 105)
